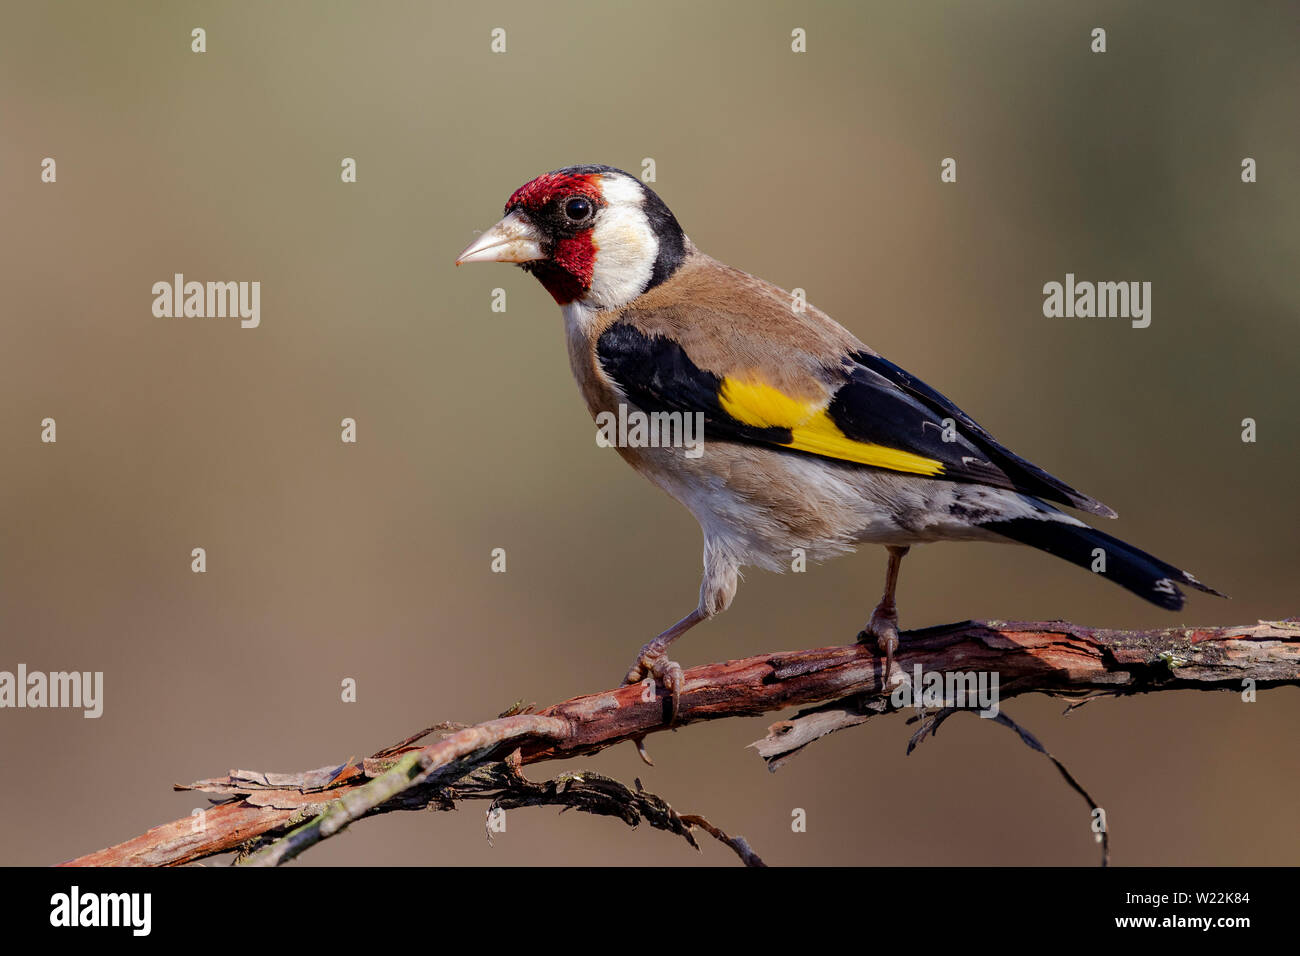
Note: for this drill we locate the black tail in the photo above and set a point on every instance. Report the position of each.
(1143, 574)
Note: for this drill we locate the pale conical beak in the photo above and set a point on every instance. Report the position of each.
(513, 239)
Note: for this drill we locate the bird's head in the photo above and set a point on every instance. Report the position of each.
(591, 234)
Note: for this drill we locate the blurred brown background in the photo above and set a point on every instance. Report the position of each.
(818, 170)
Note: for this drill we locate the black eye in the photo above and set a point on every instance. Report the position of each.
(577, 208)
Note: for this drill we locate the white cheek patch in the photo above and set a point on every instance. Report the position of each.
(626, 246)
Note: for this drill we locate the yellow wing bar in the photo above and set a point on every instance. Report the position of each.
(812, 429)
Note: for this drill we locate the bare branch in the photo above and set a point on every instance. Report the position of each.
(280, 815)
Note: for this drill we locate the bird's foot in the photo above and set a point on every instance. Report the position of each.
(653, 663)
(882, 630)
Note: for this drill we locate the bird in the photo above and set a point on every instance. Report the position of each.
(811, 440)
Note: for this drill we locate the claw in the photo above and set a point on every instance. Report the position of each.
(883, 630)
(653, 662)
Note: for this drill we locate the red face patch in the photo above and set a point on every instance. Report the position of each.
(571, 263)
(535, 195)
(567, 273)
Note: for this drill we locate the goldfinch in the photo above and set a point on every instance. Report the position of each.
(811, 440)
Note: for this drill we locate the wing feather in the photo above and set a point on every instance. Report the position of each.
(865, 411)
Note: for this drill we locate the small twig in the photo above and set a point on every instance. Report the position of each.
(1032, 742)
(737, 843)
(930, 724)
(590, 792)
(470, 745)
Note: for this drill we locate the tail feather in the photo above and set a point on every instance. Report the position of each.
(1144, 574)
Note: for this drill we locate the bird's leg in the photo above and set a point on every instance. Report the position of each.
(653, 662)
(883, 627)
